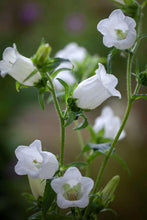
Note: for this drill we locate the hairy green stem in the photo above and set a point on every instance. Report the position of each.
(62, 127)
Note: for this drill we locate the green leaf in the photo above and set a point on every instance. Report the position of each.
(71, 116)
(41, 99)
(83, 124)
(58, 217)
(30, 75)
(48, 197)
(59, 70)
(75, 164)
(29, 197)
(86, 148)
(109, 210)
(109, 59)
(101, 148)
(92, 133)
(36, 216)
(66, 87)
(122, 162)
(140, 96)
(52, 65)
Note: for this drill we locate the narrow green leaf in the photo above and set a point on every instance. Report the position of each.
(122, 162)
(66, 87)
(58, 217)
(102, 148)
(92, 133)
(59, 70)
(109, 210)
(48, 197)
(75, 164)
(41, 99)
(83, 124)
(36, 216)
(86, 148)
(30, 75)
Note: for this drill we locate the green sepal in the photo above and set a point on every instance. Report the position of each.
(83, 124)
(48, 197)
(30, 75)
(20, 86)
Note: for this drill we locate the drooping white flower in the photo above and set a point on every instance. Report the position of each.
(34, 162)
(18, 66)
(118, 30)
(37, 186)
(72, 52)
(91, 92)
(65, 75)
(72, 189)
(75, 54)
(109, 122)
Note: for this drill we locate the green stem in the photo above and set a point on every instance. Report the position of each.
(79, 136)
(62, 127)
(104, 163)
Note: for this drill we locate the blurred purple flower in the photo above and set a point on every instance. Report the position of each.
(30, 12)
(75, 22)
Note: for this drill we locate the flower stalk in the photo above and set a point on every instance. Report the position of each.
(62, 127)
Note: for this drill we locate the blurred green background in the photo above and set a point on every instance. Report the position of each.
(22, 119)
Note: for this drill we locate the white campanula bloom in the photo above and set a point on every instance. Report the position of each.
(18, 66)
(65, 75)
(109, 122)
(91, 92)
(72, 52)
(37, 186)
(34, 162)
(72, 189)
(75, 54)
(118, 30)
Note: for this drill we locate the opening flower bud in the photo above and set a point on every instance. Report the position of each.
(108, 191)
(37, 186)
(42, 54)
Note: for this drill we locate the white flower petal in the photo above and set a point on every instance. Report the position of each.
(9, 55)
(118, 30)
(109, 122)
(49, 165)
(72, 52)
(34, 162)
(91, 92)
(72, 177)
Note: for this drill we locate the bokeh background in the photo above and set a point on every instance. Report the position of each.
(22, 119)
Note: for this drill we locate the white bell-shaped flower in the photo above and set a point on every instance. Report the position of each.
(37, 186)
(34, 162)
(18, 66)
(91, 92)
(72, 189)
(118, 30)
(65, 75)
(72, 52)
(75, 54)
(109, 122)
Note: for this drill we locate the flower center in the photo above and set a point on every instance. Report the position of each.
(37, 164)
(121, 35)
(72, 193)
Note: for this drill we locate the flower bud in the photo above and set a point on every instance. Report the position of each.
(42, 53)
(108, 192)
(37, 186)
(143, 78)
